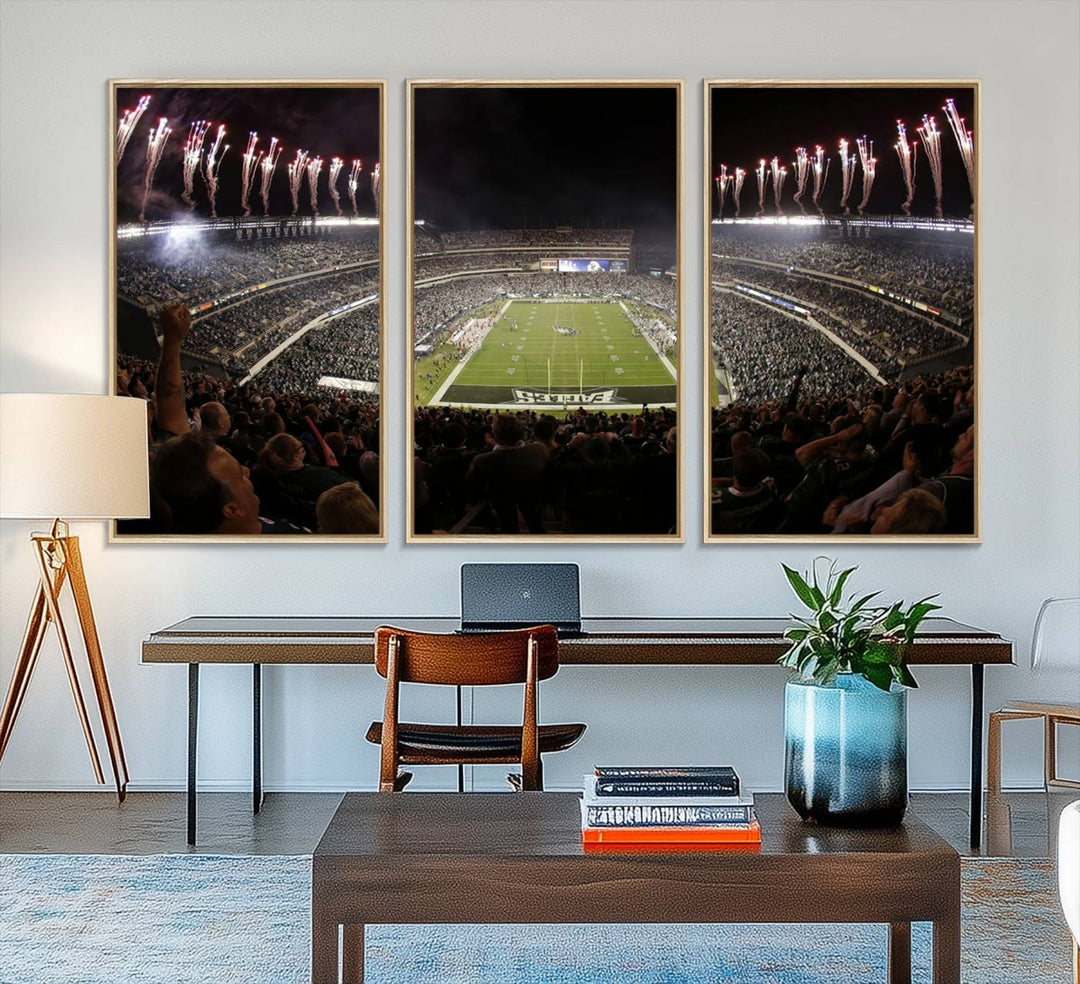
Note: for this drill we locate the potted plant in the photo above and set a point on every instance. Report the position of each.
(845, 714)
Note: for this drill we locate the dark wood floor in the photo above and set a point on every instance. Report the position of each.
(1020, 824)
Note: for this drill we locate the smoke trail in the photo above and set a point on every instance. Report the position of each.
(154, 148)
(736, 194)
(821, 175)
(376, 187)
(908, 154)
(802, 175)
(336, 164)
(249, 163)
(354, 181)
(847, 175)
(296, 175)
(778, 175)
(210, 169)
(869, 169)
(931, 141)
(722, 182)
(313, 169)
(267, 168)
(127, 125)
(193, 148)
(966, 142)
(761, 181)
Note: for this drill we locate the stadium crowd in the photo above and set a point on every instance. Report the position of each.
(161, 271)
(863, 458)
(883, 327)
(478, 471)
(253, 327)
(939, 274)
(539, 238)
(256, 458)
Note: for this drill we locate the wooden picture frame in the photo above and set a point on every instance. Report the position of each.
(476, 109)
(862, 275)
(320, 266)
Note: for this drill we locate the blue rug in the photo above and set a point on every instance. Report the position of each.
(246, 920)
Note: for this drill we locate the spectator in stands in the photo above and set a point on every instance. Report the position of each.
(288, 488)
(748, 505)
(346, 509)
(955, 488)
(916, 511)
(508, 475)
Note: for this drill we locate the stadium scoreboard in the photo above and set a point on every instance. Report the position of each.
(583, 265)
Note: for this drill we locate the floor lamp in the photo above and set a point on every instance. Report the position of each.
(77, 457)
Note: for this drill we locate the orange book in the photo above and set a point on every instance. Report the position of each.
(740, 834)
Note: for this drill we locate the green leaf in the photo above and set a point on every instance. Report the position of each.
(862, 601)
(880, 676)
(838, 590)
(801, 588)
(903, 676)
(796, 634)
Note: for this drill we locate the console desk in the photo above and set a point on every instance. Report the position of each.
(618, 641)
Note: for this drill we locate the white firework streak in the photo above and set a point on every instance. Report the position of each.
(249, 163)
(354, 182)
(193, 148)
(313, 169)
(847, 175)
(722, 183)
(778, 175)
(931, 141)
(296, 175)
(802, 175)
(761, 182)
(869, 169)
(267, 168)
(908, 154)
(376, 184)
(336, 164)
(821, 175)
(736, 192)
(965, 140)
(210, 168)
(127, 125)
(155, 146)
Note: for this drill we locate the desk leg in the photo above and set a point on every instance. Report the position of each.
(900, 953)
(324, 949)
(947, 950)
(192, 747)
(352, 954)
(976, 753)
(460, 767)
(256, 738)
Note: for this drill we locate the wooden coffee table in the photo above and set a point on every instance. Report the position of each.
(517, 858)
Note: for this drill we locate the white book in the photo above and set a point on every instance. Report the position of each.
(591, 799)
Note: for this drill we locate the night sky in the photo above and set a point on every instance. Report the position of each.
(506, 157)
(326, 122)
(751, 123)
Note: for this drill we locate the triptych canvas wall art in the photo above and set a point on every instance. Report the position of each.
(544, 326)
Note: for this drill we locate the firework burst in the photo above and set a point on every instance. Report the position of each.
(801, 165)
(762, 180)
(267, 168)
(354, 183)
(127, 125)
(155, 146)
(847, 175)
(193, 149)
(965, 140)
(336, 165)
(736, 191)
(869, 169)
(779, 174)
(249, 163)
(314, 168)
(931, 141)
(210, 168)
(908, 154)
(821, 175)
(296, 175)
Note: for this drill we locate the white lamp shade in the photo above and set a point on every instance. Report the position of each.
(73, 456)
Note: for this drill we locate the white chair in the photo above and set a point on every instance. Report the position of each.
(1069, 875)
(1055, 645)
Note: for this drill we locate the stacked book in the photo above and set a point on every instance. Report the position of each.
(677, 806)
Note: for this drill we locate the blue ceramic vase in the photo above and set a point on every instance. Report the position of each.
(846, 751)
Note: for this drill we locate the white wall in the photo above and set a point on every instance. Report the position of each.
(56, 58)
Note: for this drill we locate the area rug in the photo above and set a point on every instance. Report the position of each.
(68, 919)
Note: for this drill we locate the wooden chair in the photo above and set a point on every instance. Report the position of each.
(1055, 644)
(484, 659)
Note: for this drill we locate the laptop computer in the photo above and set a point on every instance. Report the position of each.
(515, 596)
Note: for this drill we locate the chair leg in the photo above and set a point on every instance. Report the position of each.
(993, 752)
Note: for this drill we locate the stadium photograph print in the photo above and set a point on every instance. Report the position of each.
(841, 298)
(246, 304)
(544, 314)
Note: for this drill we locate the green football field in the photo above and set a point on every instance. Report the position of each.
(603, 359)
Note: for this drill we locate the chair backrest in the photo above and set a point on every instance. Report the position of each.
(1055, 643)
(469, 659)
